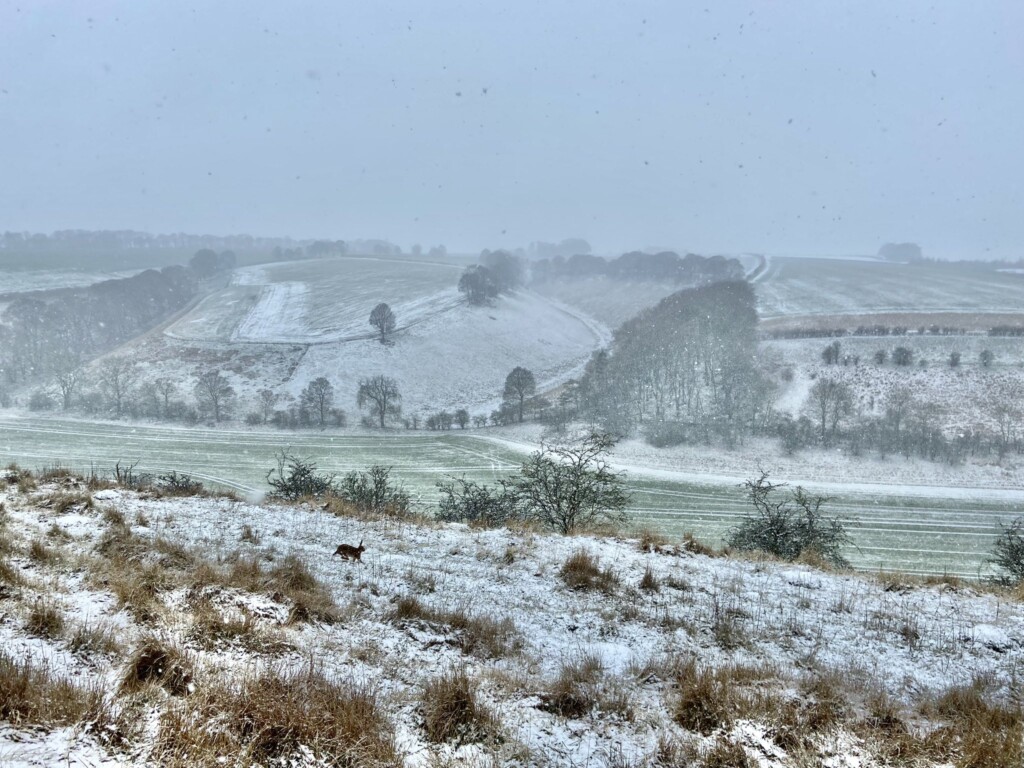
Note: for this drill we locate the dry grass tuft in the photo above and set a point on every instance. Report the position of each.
(158, 663)
(649, 582)
(113, 516)
(40, 553)
(708, 699)
(88, 639)
(478, 635)
(582, 571)
(63, 501)
(572, 694)
(651, 541)
(728, 754)
(452, 711)
(695, 546)
(45, 620)
(31, 695)
(278, 718)
(211, 631)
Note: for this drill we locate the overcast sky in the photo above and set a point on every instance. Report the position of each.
(790, 127)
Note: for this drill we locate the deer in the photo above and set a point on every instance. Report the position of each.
(348, 552)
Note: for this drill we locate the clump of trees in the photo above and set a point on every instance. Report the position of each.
(498, 272)
(689, 361)
(789, 525)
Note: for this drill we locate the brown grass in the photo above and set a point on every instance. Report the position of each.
(478, 635)
(708, 699)
(40, 553)
(31, 695)
(63, 501)
(452, 710)
(582, 571)
(88, 639)
(156, 662)
(649, 582)
(272, 718)
(45, 620)
(211, 631)
(651, 541)
(572, 693)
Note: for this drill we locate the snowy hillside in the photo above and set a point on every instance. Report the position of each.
(208, 631)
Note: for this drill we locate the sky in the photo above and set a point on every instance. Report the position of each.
(799, 127)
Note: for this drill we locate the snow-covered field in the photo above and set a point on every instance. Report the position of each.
(572, 678)
(18, 280)
(610, 301)
(319, 300)
(826, 286)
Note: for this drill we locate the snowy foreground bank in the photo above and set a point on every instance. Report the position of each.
(207, 631)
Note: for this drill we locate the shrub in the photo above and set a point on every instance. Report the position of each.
(464, 501)
(452, 710)
(986, 358)
(174, 484)
(902, 356)
(581, 571)
(41, 400)
(571, 487)
(1008, 553)
(790, 526)
(372, 492)
(294, 478)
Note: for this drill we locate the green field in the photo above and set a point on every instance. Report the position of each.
(913, 534)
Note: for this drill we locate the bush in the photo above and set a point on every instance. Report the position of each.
(789, 527)
(40, 400)
(174, 484)
(463, 501)
(372, 492)
(294, 478)
(569, 488)
(1008, 553)
(902, 356)
(664, 434)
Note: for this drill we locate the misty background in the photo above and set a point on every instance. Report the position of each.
(804, 127)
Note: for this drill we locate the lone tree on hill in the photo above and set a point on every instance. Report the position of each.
(383, 319)
(519, 385)
(380, 394)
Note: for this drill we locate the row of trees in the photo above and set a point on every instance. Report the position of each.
(901, 357)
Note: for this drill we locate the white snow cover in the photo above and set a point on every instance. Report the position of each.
(908, 641)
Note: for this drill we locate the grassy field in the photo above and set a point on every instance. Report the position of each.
(912, 534)
(828, 286)
(319, 300)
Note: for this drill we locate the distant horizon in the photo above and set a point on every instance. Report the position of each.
(605, 253)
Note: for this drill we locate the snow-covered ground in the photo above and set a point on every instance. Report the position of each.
(795, 625)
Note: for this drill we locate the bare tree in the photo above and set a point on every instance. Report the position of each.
(383, 319)
(214, 393)
(317, 397)
(380, 394)
(267, 400)
(166, 388)
(69, 382)
(519, 385)
(117, 378)
(831, 401)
